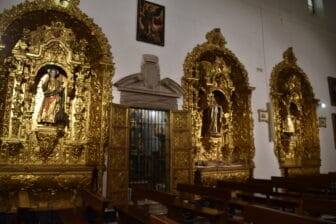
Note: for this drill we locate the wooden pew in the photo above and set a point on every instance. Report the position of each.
(302, 206)
(263, 215)
(216, 197)
(50, 215)
(176, 206)
(261, 188)
(303, 185)
(130, 214)
(260, 192)
(75, 215)
(219, 198)
(318, 207)
(97, 203)
(153, 219)
(141, 193)
(313, 204)
(299, 186)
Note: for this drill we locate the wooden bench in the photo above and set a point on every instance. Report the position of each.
(97, 203)
(216, 197)
(161, 220)
(307, 185)
(263, 215)
(260, 192)
(313, 204)
(177, 207)
(319, 207)
(70, 214)
(48, 215)
(130, 214)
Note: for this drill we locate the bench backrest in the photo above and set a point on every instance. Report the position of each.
(263, 215)
(139, 193)
(205, 191)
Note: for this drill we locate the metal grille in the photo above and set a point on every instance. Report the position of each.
(149, 144)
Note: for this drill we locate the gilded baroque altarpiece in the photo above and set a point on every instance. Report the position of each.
(218, 96)
(296, 140)
(55, 91)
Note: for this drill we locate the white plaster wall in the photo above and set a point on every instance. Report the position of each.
(257, 31)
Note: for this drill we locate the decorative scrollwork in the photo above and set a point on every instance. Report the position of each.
(47, 141)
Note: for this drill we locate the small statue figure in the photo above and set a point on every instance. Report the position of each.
(289, 124)
(216, 118)
(212, 118)
(52, 109)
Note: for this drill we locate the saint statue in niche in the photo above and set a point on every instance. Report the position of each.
(212, 117)
(52, 108)
(215, 117)
(293, 92)
(289, 124)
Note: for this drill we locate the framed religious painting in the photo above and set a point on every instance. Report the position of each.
(332, 90)
(150, 23)
(263, 116)
(322, 122)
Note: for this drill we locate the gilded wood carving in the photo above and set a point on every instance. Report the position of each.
(55, 88)
(296, 131)
(219, 97)
(180, 148)
(118, 167)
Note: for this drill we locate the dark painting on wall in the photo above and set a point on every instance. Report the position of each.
(150, 23)
(332, 90)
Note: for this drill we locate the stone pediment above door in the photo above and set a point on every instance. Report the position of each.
(146, 89)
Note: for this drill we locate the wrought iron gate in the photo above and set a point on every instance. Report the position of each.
(149, 148)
